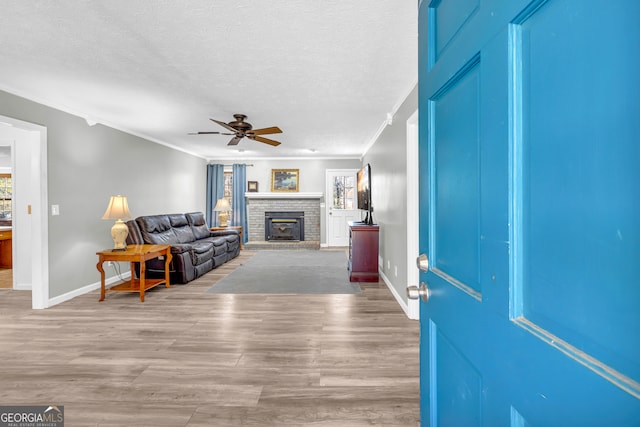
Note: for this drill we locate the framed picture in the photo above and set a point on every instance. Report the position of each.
(252, 186)
(285, 180)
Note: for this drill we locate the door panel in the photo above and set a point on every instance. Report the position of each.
(579, 190)
(458, 401)
(529, 207)
(450, 17)
(456, 179)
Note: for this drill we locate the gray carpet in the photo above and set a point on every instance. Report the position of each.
(290, 272)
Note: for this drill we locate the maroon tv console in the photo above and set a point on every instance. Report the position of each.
(363, 252)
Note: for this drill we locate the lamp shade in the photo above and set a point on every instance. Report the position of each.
(222, 206)
(118, 208)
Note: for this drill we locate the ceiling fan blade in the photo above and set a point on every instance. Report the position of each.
(235, 140)
(204, 133)
(224, 125)
(266, 140)
(265, 131)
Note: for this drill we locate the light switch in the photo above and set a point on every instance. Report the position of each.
(55, 210)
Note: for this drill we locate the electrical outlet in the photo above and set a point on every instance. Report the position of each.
(388, 264)
(395, 270)
(109, 263)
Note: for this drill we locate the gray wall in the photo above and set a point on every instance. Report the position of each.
(388, 190)
(85, 166)
(312, 176)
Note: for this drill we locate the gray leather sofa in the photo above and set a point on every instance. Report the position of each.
(196, 250)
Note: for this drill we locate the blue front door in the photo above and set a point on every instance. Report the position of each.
(530, 212)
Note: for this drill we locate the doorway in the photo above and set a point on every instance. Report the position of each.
(29, 221)
(6, 210)
(341, 205)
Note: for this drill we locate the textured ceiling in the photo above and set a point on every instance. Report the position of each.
(326, 72)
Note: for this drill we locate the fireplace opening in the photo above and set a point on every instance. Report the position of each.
(284, 226)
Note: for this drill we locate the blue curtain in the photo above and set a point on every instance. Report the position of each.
(215, 191)
(239, 203)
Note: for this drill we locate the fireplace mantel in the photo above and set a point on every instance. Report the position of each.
(292, 195)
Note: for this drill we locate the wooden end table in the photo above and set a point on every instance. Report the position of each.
(231, 227)
(135, 254)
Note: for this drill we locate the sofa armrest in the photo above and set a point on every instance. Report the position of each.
(178, 248)
(135, 236)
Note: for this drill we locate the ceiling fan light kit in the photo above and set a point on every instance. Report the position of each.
(240, 129)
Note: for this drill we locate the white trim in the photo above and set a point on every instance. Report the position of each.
(40, 224)
(413, 210)
(150, 138)
(389, 115)
(68, 110)
(22, 286)
(375, 137)
(38, 100)
(16, 231)
(39, 213)
(88, 288)
(292, 195)
(401, 300)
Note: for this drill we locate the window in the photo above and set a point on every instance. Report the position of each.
(343, 192)
(228, 187)
(6, 194)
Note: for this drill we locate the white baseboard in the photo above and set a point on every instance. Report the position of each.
(89, 288)
(409, 311)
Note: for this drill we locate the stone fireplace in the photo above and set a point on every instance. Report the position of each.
(305, 208)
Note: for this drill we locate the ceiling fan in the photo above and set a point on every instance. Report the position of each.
(239, 128)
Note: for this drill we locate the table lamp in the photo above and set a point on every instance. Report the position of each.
(223, 207)
(118, 209)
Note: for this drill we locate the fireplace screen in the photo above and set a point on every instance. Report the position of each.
(284, 226)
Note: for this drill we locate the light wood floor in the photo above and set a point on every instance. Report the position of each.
(6, 278)
(188, 358)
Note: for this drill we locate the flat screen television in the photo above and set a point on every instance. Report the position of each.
(364, 191)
